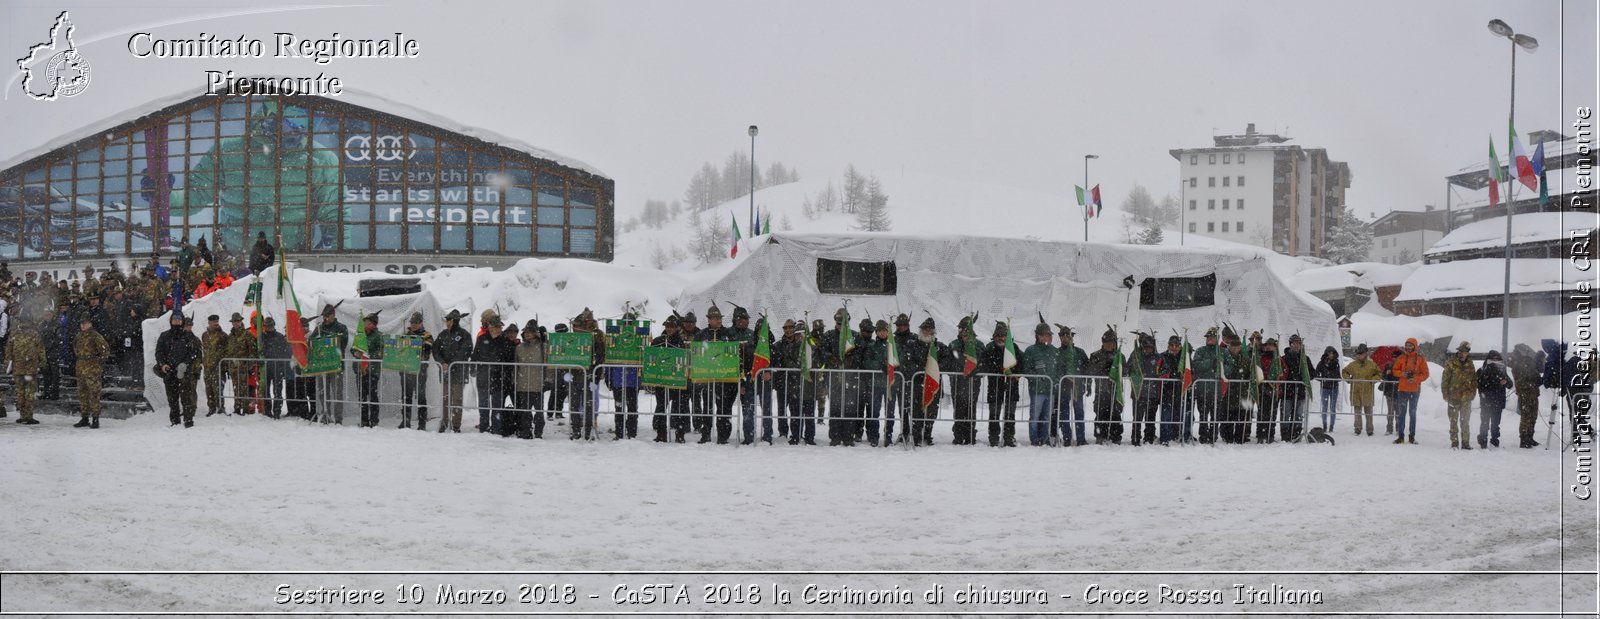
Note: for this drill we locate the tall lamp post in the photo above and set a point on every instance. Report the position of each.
(1501, 29)
(1087, 199)
(751, 220)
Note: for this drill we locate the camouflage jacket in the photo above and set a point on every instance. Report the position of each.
(241, 345)
(25, 353)
(90, 349)
(213, 345)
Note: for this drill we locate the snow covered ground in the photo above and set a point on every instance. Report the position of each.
(257, 494)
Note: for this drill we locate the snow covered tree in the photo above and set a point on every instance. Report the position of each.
(1167, 212)
(705, 189)
(709, 243)
(736, 176)
(783, 223)
(1350, 240)
(827, 199)
(777, 174)
(1139, 204)
(873, 214)
(1405, 257)
(806, 211)
(855, 189)
(1152, 234)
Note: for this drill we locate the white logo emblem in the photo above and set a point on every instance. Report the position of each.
(381, 148)
(66, 72)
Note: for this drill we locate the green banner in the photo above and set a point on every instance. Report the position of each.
(571, 349)
(665, 367)
(714, 362)
(625, 341)
(401, 353)
(325, 357)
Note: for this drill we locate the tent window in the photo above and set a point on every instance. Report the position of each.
(844, 277)
(1169, 293)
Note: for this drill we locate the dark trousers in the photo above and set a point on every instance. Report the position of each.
(802, 415)
(1145, 408)
(272, 388)
(1205, 401)
(965, 391)
(1234, 426)
(1266, 414)
(626, 402)
(180, 398)
(486, 405)
(414, 392)
(529, 419)
(368, 384)
(1107, 414)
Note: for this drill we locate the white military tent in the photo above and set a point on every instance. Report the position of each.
(1085, 286)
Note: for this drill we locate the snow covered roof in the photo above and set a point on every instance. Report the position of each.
(1526, 228)
(1358, 274)
(1486, 276)
(1081, 285)
(350, 96)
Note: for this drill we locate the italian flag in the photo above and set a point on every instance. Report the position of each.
(359, 344)
(1089, 199)
(1496, 175)
(1008, 358)
(1524, 165)
(763, 356)
(893, 361)
(291, 319)
(1116, 376)
(1184, 370)
(1305, 372)
(847, 340)
(930, 376)
(734, 253)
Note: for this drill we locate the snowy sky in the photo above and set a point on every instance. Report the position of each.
(1013, 93)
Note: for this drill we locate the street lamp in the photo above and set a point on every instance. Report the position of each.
(1088, 198)
(1501, 29)
(751, 220)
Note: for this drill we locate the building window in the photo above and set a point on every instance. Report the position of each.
(1211, 226)
(1192, 204)
(1225, 180)
(1226, 158)
(1211, 204)
(1241, 180)
(1194, 159)
(1241, 157)
(1240, 204)
(1213, 159)
(1239, 226)
(1170, 293)
(845, 277)
(1224, 204)
(1192, 226)
(1224, 226)
(1211, 181)
(1194, 181)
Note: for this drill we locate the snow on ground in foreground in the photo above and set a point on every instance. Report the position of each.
(252, 493)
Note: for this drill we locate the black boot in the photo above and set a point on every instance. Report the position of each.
(82, 423)
(94, 424)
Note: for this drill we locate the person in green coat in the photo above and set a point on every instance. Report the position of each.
(1206, 365)
(1236, 367)
(875, 358)
(1042, 363)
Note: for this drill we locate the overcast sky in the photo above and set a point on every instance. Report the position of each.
(1013, 93)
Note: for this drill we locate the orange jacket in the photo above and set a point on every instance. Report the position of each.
(1414, 363)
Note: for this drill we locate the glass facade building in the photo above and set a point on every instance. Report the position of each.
(324, 176)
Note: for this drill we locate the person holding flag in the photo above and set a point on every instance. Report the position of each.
(836, 347)
(1296, 393)
(935, 359)
(1205, 365)
(368, 347)
(1070, 406)
(1041, 359)
(963, 352)
(1236, 367)
(999, 360)
(1172, 367)
(277, 355)
(763, 382)
(1146, 394)
(331, 385)
(746, 337)
(878, 355)
(1107, 362)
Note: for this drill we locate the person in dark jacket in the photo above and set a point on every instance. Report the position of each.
(276, 351)
(668, 410)
(1107, 410)
(1003, 391)
(964, 386)
(1493, 383)
(490, 354)
(178, 365)
(1327, 375)
(261, 254)
(331, 385)
(1073, 362)
(453, 346)
(369, 371)
(1294, 397)
(624, 384)
(1146, 396)
(1174, 408)
(414, 385)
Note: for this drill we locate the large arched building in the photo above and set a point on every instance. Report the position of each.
(353, 183)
